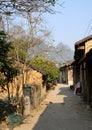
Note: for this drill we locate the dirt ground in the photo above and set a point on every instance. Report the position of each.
(61, 110)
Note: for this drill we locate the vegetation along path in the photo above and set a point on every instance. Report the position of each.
(61, 110)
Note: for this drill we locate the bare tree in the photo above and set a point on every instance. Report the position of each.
(32, 11)
(23, 43)
(16, 6)
(1, 23)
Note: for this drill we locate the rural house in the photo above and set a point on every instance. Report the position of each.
(83, 67)
(67, 73)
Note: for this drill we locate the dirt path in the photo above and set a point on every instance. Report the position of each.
(61, 110)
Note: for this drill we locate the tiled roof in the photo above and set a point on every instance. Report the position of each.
(83, 40)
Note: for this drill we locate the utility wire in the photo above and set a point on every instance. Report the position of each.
(89, 32)
(89, 28)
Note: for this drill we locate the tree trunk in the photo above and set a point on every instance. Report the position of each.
(8, 92)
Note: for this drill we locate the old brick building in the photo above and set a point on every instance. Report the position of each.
(83, 67)
(67, 73)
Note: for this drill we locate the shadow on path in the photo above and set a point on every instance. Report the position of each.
(65, 111)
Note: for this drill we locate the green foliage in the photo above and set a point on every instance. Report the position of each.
(7, 70)
(47, 66)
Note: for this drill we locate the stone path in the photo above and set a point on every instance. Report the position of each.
(61, 110)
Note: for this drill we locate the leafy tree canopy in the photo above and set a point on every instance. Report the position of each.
(7, 70)
(46, 66)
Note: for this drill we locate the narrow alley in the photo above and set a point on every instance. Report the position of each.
(61, 110)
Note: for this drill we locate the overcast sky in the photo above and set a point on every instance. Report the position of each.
(73, 23)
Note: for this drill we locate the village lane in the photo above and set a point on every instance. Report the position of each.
(61, 110)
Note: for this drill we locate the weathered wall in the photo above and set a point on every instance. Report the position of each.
(83, 67)
(26, 99)
(67, 75)
(31, 77)
(64, 75)
(88, 46)
(70, 76)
